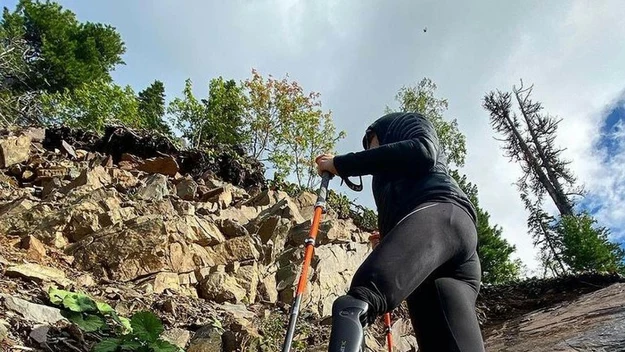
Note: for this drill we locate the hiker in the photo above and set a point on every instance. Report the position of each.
(427, 252)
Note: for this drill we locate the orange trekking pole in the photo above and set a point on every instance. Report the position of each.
(375, 239)
(320, 207)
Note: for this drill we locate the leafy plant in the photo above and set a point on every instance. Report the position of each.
(93, 105)
(287, 127)
(141, 333)
(272, 338)
(63, 53)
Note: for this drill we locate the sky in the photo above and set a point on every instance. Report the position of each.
(358, 54)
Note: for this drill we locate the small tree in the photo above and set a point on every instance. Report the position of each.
(152, 107)
(217, 119)
(188, 114)
(420, 98)
(92, 106)
(586, 247)
(66, 52)
(287, 127)
(225, 109)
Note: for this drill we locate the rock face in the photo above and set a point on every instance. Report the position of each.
(594, 322)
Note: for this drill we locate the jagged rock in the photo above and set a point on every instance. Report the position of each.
(90, 180)
(221, 287)
(23, 217)
(164, 281)
(236, 249)
(403, 336)
(27, 175)
(330, 231)
(372, 343)
(14, 150)
(247, 276)
(285, 208)
(85, 280)
(332, 271)
(36, 249)
(268, 288)
(39, 334)
(184, 208)
(242, 215)
(267, 229)
(36, 134)
(92, 212)
(50, 186)
(67, 148)
(197, 230)
(166, 165)
(163, 207)
(38, 273)
(125, 251)
(231, 228)
(186, 189)
(206, 339)
(177, 336)
(155, 188)
(222, 196)
(306, 204)
(36, 313)
(4, 331)
(123, 179)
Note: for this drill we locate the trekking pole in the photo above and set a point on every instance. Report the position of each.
(375, 239)
(320, 208)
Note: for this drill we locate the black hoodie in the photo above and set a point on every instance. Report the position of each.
(408, 168)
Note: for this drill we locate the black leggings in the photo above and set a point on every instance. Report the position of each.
(429, 259)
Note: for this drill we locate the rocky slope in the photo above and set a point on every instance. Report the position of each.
(197, 238)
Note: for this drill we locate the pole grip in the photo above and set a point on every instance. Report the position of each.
(322, 195)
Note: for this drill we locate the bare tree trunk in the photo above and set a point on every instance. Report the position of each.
(550, 180)
(534, 164)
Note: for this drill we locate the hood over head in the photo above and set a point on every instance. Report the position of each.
(380, 128)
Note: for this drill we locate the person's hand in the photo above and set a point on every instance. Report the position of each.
(325, 162)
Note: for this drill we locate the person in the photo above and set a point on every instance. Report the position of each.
(427, 253)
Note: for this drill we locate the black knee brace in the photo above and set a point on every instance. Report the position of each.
(347, 332)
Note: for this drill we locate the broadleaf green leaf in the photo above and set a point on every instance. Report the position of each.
(108, 345)
(56, 296)
(88, 323)
(164, 346)
(146, 326)
(104, 308)
(79, 303)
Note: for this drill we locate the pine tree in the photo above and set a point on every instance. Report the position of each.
(529, 140)
(152, 107)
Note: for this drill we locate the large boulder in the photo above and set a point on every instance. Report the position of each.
(14, 150)
(136, 248)
(239, 249)
(165, 165)
(90, 180)
(155, 188)
(220, 287)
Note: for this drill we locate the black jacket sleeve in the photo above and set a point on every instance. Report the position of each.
(414, 152)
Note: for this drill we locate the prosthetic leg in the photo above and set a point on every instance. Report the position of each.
(347, 327)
